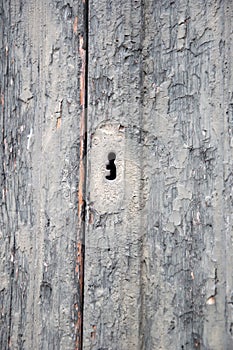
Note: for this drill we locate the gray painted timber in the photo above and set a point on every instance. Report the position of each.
(158, 262)
(158, 239)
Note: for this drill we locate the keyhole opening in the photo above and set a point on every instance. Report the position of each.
(111, 167)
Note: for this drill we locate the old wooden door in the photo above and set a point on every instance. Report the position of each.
(116, 175)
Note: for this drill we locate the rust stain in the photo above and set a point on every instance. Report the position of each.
(75, 25)
(78, 326)
(79, 257)
(81, 202)
(79, 306)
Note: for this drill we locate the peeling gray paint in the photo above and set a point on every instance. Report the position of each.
(158, 243)
(40, 70)
(169, 69)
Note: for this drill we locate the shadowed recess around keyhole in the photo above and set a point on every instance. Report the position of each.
(111, 167)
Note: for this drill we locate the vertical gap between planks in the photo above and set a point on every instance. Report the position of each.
(83, 52)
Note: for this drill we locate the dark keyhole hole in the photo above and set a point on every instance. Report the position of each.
(111, 167)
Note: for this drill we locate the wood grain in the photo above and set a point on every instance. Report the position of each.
(40, 152)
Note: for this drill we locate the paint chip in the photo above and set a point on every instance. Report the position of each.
(58, 125)
(2, 100)
(93, 333)
(75, 25)
(211, 300)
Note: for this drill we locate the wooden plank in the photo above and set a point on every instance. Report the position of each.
(40, 296)
(188, 217)
(159, 239)
(112, 299)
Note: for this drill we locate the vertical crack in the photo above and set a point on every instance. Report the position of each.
(12, 275)
(4, 92)
(142, 327)
(83, 52)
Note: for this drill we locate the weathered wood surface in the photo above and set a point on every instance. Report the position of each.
(40, 147)
(158, 263)
(158, 238)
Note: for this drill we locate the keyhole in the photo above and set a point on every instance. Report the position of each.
(111, 167)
